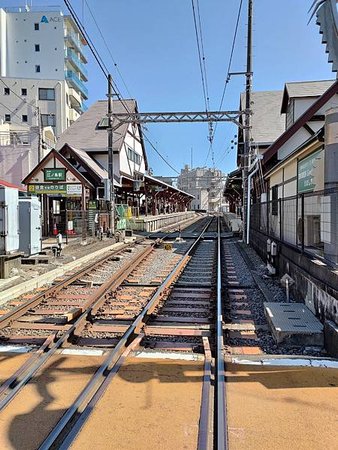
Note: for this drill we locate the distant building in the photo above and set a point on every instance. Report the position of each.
(42, 82)
(172, 181)
(205, 184)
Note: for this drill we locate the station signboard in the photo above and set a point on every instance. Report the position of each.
(55, 174)
(310, 173)
(63, 189)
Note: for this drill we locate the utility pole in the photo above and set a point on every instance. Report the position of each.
(246, 150)
(111, 157)
(40, 134)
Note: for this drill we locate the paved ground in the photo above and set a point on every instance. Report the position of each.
(149, 405)
(282, 408)
(28, 419)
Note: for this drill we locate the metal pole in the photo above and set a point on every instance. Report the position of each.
(111, 157)
(246, 150)
(40, 135)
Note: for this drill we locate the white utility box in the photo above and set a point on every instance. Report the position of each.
(30, 225)
(9, 220)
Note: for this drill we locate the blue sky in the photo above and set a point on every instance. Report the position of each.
(154, 45)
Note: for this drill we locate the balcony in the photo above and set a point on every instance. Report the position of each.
(74, 40)
(76, 83)
(73, 59)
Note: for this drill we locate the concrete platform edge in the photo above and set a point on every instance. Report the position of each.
(41, 280)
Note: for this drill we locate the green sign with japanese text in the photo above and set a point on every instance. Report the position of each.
(47, 188)
(55, 174)
(307, 172)
(68, 190)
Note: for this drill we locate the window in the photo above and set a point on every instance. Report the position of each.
(24, 118)
(133, 156)
(37, 47)
(274, 204)
(37, 68)
(46, 94)
(36, 26)
(6, 91)
(24, 91)
(48, 120)
(7, 117)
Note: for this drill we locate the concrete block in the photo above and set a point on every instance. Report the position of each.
(331, 338)
(294, 324)
(8, 262)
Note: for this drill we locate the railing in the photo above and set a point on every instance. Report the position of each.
(76, 82)
(31, 8)
(72, 56)
(306, 221)
(70, 35)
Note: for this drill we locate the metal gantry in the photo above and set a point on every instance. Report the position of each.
(178, 117)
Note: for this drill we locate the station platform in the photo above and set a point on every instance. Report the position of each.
(154, 223)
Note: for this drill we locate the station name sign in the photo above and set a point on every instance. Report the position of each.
(54, 174)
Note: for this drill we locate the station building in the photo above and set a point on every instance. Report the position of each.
(72, 179)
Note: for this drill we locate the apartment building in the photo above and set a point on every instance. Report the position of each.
(42, 81)
(205, 184)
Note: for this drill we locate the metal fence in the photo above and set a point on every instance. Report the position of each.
(307, 221)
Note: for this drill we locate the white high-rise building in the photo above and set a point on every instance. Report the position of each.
(42, 83)
(205, 184)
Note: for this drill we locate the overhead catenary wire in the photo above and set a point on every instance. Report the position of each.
(227, 79)
(95, 53)
(159, 154)
(202, 61)
(107, 47)
(201, 56)
(105, 70)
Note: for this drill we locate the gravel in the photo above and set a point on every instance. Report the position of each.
(254, 302)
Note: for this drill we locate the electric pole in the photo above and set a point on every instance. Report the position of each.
(246, 149)
(111, 158)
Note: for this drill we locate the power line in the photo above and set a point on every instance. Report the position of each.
(201, 57)
(12, 112)
(159, 154)
(228, 70)
(202, 62)
(108, 49)
(95, 52)
(104, 68)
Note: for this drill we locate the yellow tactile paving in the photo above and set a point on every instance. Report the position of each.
(282, 408)
(150, 404)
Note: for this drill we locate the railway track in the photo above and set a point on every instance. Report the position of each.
(199, 299)
(108, 305)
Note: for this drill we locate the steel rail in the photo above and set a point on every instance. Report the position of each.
(22, 309)
(204, 423)
(38, 358)
(112, 283)
(221, 431)
(83, 406)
